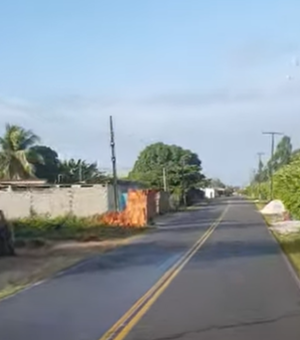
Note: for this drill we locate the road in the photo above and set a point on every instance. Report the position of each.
(235, 285)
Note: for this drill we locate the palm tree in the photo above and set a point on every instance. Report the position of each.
(73, 171)
(16, 155)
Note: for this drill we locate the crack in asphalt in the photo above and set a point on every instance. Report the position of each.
(230, 326)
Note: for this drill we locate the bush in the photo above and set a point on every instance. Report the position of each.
(287, 186)
(256, 191)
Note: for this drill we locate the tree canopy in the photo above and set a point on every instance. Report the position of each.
(282, 156)
(17, 157)
(286, 178)
(22, 158)
(72, 171)
(49, 168)
(182, 167)
(216, 183)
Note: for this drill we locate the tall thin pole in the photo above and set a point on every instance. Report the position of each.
(80, 172)
(271, 170)
(113, 160)
(259, 154)
(165, 179)
(183, 181)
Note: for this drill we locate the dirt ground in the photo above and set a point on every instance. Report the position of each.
(34, 264)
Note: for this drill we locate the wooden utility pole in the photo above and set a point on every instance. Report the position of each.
(272, 134)
(114, 166)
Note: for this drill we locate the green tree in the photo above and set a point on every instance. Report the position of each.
(282, 156)
(283, 153)
(16, 153)
(49, 169)
(217, 183)
(74, 171)
(287, 186)
(261, 175)
(182, 167)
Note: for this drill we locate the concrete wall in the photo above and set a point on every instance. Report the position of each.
(55, 201)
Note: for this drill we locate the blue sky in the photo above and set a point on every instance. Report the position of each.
(206, 75)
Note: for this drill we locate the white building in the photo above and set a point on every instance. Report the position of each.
(209, 193)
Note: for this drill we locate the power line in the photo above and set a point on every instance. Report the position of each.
(272, 134)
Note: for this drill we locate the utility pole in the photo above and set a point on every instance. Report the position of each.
(80, 172)
(165, 179)
(183, 181)
(259, 154)
(113, 160)
(272, 134)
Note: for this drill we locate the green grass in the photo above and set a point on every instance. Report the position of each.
(11, 290)
(261, 204)
(67, 228)
(290, 244)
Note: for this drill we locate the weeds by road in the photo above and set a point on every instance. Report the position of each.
(45, 246)
(290, 244)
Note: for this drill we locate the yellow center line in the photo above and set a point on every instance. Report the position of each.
(125, 324)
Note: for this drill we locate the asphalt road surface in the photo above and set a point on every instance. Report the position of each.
(235, 285)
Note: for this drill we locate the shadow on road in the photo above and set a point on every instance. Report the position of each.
(150, 253)
(184, 231)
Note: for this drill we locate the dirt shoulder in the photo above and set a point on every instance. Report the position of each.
(33, 264)
(289, 243)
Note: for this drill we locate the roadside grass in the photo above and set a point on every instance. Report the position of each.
(290, 244)
(45, 246)
(66, 228)
(261, 204)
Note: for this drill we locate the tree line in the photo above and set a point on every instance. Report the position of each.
(286, 177)
(158, 166)
(22, 157)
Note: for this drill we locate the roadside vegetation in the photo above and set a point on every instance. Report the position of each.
(290, 244)
(286, 187)
(42, 229)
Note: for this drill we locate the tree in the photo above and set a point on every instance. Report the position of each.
(283, 153)
(287, 186)
(49, 169)
(183, 168)
(217, 183)
(16, 154)
(261, 175)
(73, 171)
(282, 156)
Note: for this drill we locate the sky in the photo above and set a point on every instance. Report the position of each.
(209, 76)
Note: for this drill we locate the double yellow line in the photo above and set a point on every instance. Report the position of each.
(124, 325)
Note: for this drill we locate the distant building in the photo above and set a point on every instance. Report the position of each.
(209, 193)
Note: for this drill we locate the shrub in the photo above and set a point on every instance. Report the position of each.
(66, 228)
(287, 186)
